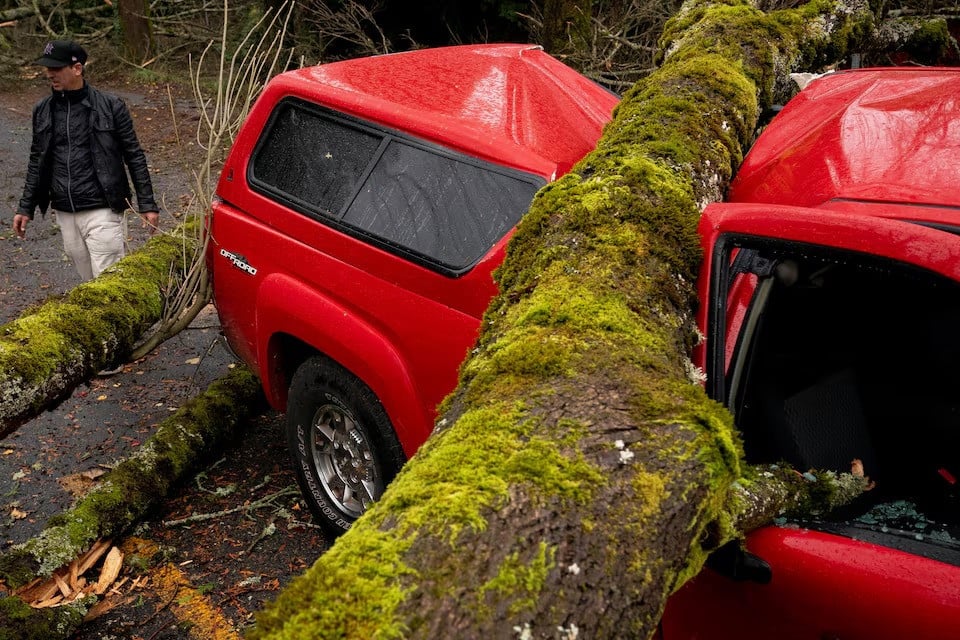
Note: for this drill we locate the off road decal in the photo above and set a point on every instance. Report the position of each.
(239, 262)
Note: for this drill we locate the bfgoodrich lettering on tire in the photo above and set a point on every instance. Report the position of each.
(343, 445)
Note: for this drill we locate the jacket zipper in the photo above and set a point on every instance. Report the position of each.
(73, 207)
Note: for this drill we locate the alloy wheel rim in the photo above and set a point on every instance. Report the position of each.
(343, 460)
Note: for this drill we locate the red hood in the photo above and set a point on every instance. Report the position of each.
(882, 135)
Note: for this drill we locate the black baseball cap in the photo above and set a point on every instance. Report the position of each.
(62, 53)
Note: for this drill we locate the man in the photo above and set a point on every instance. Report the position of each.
(83, 145)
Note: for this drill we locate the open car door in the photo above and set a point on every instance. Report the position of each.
(835, 336)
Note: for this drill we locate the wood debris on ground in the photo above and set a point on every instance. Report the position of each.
(81, 579)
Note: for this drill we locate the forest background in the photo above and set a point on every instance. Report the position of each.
(611, 41)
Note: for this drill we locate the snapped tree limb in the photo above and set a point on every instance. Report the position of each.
(122, 497)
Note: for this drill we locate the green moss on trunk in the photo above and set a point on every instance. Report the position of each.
(577, 452)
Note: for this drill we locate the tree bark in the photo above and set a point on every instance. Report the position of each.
(566, 25)
(580, 474)
(46, 353)
(136, 28)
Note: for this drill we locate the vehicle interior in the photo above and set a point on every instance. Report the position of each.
(843, 356)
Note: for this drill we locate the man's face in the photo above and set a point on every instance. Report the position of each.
(65, 78)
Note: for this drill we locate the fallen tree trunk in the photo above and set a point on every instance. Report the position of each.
(580, 474)
(199, 429)
(47, 352)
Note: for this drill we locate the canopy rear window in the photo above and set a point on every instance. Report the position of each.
(430, 204)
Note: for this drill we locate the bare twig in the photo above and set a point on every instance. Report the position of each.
(266, 501)
(348, 22)
(173, 117)
(619, 48)
(268, 531)
(241, 77)
(45, 23)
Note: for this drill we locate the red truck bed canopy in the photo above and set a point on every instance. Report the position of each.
(871, 135)
(510, 103)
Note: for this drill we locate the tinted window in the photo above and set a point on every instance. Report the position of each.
(438, 206)
(430, 204)
(313, 160)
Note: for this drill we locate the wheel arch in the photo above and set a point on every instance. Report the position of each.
(300, 322)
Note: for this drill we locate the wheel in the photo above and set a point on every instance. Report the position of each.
(344, 448)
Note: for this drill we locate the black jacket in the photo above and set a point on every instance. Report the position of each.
(113, 144)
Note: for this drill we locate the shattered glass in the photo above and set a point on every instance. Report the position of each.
(899, 524)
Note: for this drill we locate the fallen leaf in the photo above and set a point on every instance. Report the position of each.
(192, 361)
(78, 484)
(102, 397)
(17, 514)
(856, 469)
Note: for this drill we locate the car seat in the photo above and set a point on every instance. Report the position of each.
(820, 426)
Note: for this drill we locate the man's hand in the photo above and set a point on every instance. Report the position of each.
(151, 219)
(20, 224)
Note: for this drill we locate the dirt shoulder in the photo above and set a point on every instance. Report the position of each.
(246, 532)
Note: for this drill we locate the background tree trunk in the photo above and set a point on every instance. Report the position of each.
(136, 29)
(580, 474)
(566, 25)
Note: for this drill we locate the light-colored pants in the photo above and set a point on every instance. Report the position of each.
(93, 239)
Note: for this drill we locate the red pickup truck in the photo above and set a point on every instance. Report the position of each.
(360, 214)
(365, 204)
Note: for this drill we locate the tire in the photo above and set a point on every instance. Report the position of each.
(344, 448)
